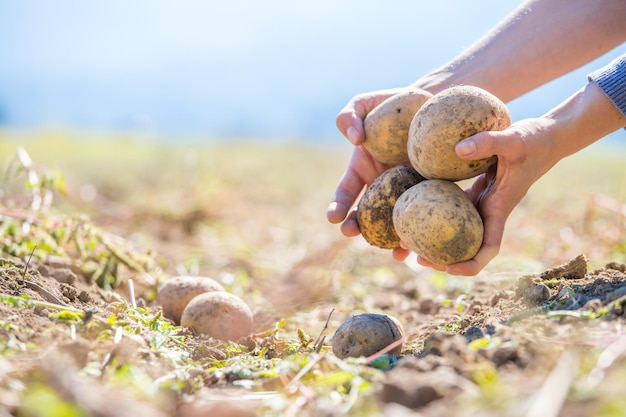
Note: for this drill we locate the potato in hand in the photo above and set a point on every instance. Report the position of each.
(437, 220)
(387, 126)
(446, 119)
(375, 208)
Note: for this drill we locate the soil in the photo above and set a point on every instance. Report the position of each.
(435, 376)
(544, 343)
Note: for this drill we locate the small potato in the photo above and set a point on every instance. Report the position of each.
(220, 315)
(446, 119)
(176, 292)
(366, 334)
(437, 220)
(387, 126)
(375, 209)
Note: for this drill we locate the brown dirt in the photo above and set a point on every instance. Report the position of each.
(548, 344)
(532, 319)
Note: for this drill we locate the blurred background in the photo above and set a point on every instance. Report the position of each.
(198, 70)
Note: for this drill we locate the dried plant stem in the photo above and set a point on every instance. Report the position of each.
(36, 303)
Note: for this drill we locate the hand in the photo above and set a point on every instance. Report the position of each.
(523, 157)
(362, 168)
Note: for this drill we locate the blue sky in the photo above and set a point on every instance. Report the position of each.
(273, 69)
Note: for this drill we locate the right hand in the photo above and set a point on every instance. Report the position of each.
(525, 152)
(362, 168)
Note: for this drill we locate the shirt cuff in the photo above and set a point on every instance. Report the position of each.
(612, 81)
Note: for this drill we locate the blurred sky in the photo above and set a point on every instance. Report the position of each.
(202, 68)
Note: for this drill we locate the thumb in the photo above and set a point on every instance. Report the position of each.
(481, 145)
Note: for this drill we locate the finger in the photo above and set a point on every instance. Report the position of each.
(400, 254)
(473, 266)
(494, 230)
(362, 170)
(425, 262)
(349, 121)
(350, 226)
(350, 186)
(343, 199)
(350, 124)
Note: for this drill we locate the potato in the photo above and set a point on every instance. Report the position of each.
(220, 315)
(366, 334)
(387, 126)
(437, 220)
(375, 209)
(176, 292)
(443, 121)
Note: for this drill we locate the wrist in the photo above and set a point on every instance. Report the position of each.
(584, 118)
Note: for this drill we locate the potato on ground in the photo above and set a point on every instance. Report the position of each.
(446, 119)
(387, 126)
(375, 208)
(220, 315)
(366, 334)
(176, 292)
(437, 220)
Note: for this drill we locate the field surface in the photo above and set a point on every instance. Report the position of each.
(91, 227)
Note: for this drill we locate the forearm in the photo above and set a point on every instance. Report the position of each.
(584, 118)
(538, 42)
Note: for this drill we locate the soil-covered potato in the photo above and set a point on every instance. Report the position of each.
(446, 119)
(176, 292)
(366, 334)
(437, 220)
(387, 126)
(375, 208)
(220, 315)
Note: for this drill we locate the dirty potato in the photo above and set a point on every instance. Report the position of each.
(446, 119)
(387, 126)
(375, 208)
(176, 292)
(366, 334)
(220, 315)
(437, 220)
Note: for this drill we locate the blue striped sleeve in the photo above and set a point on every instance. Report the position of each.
(612, 80)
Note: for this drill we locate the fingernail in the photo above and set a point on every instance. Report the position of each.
(353, 135)
(466, 147)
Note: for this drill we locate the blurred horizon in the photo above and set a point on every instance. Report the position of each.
(275, 69)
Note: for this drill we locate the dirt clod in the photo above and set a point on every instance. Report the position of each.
(536, 294)
(574, 269)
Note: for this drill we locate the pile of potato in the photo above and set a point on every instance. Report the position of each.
(202, 305)
(418, 201)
